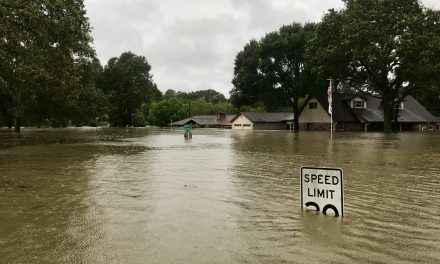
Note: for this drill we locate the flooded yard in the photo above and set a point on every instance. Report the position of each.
(149, 196)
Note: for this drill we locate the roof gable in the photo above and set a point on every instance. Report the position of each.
(358, 98)
(341, 111)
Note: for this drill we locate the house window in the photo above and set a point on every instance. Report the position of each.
(246, 125)
(313, 105)
(358, 104)
(399, 106)
(237, 125)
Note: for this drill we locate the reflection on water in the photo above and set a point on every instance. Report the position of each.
(149, 196)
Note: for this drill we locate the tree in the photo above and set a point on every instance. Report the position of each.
(385, 48)
(164, 112)
(248, 84)
(283, 63)
(209, 95)
(251, 90)
(89, 104)
(203, 107)
(428, 92)
(274, 72)
(169, 93)
(81, 104)
(326, 53)
(40, 43)
(129, 85)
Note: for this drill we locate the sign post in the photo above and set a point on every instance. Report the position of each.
(187, 128)
(322, 190)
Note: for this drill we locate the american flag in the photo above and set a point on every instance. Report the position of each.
(330, 98)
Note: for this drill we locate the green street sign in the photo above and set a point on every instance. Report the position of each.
(187, 127)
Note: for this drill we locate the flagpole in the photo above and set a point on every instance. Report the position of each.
(331, 115)
(330, 101)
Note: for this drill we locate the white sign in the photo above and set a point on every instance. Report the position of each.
(322, 190)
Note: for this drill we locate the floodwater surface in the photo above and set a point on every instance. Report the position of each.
(149, 196)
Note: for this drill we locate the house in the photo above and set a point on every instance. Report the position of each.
(353, 112)
(221, 120)
(262, 121)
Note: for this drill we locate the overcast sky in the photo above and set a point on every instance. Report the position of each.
(191, 44)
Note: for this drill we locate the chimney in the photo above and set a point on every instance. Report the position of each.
(221, 116)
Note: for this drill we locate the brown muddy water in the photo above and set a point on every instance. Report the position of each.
(149, 196)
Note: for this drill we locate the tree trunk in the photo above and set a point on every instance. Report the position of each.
(396, 119)
(295, 115)
(9, 123)
(387, 117)
(17, 124)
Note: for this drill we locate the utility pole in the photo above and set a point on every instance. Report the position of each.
(189, 108)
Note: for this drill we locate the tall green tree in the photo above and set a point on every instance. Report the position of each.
(326, 53)
(41, 41)
(248, 84)
(127, 82)
(251, 89)
(166, 111)
(275, 71)
(89, 104)
(387, 48)
(428, 84)
(81, 104)
(284, 63)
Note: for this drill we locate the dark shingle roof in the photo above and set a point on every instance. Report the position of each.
(416, 108)
(266, 117)
(373, 112)
(412, 111)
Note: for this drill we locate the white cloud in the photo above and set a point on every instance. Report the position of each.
(432, 3)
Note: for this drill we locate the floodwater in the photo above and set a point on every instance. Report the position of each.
(149, 196)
